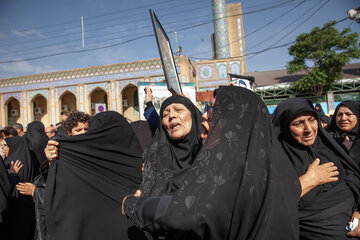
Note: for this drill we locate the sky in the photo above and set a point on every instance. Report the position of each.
(42, 36)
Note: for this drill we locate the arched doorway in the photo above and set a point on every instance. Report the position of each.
(98, 96)
(13, 111)
(67, 102)
(39, 109)
(130, 102)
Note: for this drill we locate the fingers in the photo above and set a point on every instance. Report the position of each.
(137, 193)
(53, 142)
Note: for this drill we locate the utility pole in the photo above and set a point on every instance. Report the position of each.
(82, 31)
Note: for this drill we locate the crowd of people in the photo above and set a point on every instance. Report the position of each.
(232, 172)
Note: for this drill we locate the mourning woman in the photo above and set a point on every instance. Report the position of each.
(174, 147)
(86, 184)
(329, 179)
(344, 127)
(29, 150)
(232, 189)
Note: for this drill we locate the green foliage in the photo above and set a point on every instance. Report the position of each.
(326, 50)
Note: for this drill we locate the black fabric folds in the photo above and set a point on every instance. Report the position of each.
(235, 189)
(86, 185)
(354, 134)
(29, 149)
(4, 190)
(166, 161)
(325, 210)
(143, 132)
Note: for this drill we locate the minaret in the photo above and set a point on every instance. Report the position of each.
(222, 49)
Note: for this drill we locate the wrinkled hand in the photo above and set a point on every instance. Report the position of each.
(148, 94)
(324, 173)
(317, 174)
(25, 188)
(15, 167)
(356, 232)
(51, 150)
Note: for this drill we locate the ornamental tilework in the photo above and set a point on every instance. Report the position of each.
(222, 70)
(81, 91)
(222, 49)
(206, 72)
(52, 96)
(113, 96)
(43, 92)
(103, 86)
(16, 95)
(24, 109)
(71, 89)
(123, 84)
(235, 68)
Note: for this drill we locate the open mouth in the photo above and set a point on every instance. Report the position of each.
(174, 126)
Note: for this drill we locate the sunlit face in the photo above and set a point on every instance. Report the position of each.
(177, 121)
(304, 128)
(345, 119)
(81, 127)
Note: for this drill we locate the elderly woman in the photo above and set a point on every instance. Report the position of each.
(345, 128)
(174, 147)
(329, 179)
(233, 188)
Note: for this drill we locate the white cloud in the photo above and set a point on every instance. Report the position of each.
(26, 33)
(22, 68)
(2, 35)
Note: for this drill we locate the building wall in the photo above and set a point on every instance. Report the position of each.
(112, 79)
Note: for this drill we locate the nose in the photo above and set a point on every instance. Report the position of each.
(172, 113)
(307, 127)
(343, 117)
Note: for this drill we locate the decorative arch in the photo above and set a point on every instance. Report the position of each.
(97, 96)
(7, 96)
(34, 94)
(12, 110)
(67, 102)
(92, 87)
(39, 107)
(61, 91)
(130, 102)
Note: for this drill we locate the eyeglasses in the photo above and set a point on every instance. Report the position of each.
(209, 110)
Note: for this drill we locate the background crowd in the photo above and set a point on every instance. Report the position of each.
(231, 172)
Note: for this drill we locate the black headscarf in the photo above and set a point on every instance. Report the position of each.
(353, 134)
(29, 149)
(166, 161)
(235, 188)
(319, 207)
(4, 189)
(143, 132)
(86, 185)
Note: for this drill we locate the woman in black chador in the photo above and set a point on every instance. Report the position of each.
(234, 189)
(86, 184)
(174, 147)
(329, 178)
(29, 149)
(344, 127)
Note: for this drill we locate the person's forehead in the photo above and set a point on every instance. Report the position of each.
(344, 109)
(174, 105)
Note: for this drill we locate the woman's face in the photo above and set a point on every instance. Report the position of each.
(345, 119)
(177, 121)
(304, 128)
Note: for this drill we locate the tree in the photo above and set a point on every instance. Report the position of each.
(327, 50)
